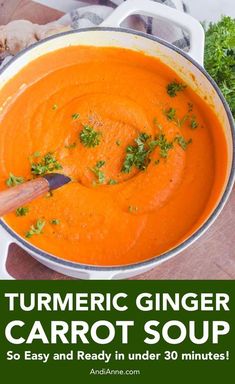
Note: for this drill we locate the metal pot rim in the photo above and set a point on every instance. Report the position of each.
(173, 252)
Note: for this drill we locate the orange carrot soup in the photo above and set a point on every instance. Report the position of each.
(146, 155)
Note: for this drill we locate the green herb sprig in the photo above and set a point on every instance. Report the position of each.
(89, 137)
(183, 143)
(55, 221)
(175, 87)
(98, 173)
(13, 180)
(138, 155)
(163, 144)
(193, 123)
(47, 164)
(220, 57)
(112, 182)
(22, 211)
(171, 115)
(35, 229)
(75, 116)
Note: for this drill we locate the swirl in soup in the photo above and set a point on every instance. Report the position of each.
(146, 155)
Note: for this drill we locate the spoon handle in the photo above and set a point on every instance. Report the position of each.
(16, 197)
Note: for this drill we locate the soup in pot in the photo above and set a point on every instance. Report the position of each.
(146, 155)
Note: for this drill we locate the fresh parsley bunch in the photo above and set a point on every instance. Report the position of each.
(220, 57)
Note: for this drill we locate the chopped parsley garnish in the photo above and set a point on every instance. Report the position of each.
(13, 180)
(163, 144)
(193, 123)
(55, 107)
(98, 173)
(55, 221)
(75, 116)
(182, 142)
(137, 155)
(71, 146)
(180, 122)
(89, 137)
(100, 163)
(174, 87)
(22, 211)
(112, 182)
(47, 164)
(170, 114)
(35, 229)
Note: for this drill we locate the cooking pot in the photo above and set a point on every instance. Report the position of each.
(188, 66)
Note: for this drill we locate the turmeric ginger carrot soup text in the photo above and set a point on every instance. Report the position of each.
(146, 155)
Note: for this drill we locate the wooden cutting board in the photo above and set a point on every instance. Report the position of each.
(211, 257)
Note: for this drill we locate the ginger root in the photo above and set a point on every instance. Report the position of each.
(20, 34)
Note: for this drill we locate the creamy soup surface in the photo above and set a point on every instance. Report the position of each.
(146, 155)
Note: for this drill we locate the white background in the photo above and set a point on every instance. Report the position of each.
(211, 10)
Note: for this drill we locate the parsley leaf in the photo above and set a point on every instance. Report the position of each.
(100, 163)
(180, 122)
(98, 173)
(36, 229)
(193, 123)
(220, 56)
(170, 114)
(22, 211)
(182, 142)
(13, 180)
(89, 137)
(174, 87)
(112, 182)
(55, 221)
(47, 164)
(163, 144)
(137, 155)
(75, 116)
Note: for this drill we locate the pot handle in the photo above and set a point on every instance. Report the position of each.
(5, 242)
(153, 9)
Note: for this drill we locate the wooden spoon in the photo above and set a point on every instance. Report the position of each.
(16, 197)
